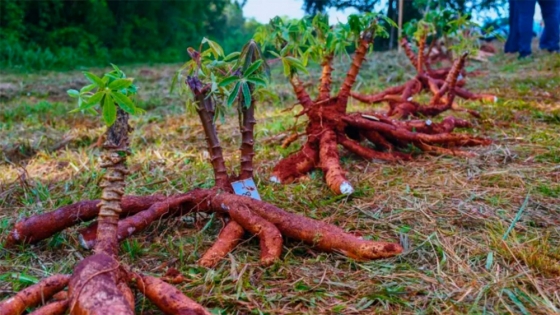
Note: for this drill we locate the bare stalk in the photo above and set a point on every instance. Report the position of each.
(205, 111)
(113, 160)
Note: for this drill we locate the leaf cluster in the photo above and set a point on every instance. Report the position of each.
(109, 91)
(296, 42)
(461, 33)
(236, 76)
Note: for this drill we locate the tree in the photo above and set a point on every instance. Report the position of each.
(76, 33)
(315, 6)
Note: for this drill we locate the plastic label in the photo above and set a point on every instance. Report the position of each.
(247, 188)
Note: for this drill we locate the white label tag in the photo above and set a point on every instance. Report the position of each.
(247, 188)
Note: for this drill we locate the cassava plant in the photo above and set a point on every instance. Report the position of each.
(214, 82)
(100, 283)
(444, 84)
(329, 124)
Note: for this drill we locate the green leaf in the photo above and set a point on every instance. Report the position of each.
(246, 94)
(93, 100)
(216, 49)
(91, 111)
(489, 260)
(296, 63)
(227, 81)
(233, 95)
(516, 301)
(256, 81)
(88, 88)
(94, 79)
(233, 55)
(120, 84)
(254, 66)
(21, 277)
(124, 102)
(175, 80)
(275, 54)
(286, 66)
(73, 93)
(109, 110)
(117, 68)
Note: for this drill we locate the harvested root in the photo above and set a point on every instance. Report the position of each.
(53, 308)
(166, 297)
(227, 240)
(94, 287)
(444, 84)
(330, 125)
(262, 219)
(42, 226)
(33, 295)
(100, 285)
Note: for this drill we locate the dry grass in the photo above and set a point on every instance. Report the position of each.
(481, 235)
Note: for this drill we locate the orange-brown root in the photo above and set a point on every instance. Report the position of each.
(370, 154)
(379, 97)
(62, 295)
(33, 295)
(330, 164)
(228, 239)
(127, 293)
(403, 134)
(270, 238)
(136, 222)
(443, 151)
(166, 297)
(39, 227)
(426, 126)
(291, 139)
(411, 87)
(321, 235)
(94, 288)
(463, 93)
(378, 140)
(402, 109)
(296, 164)
(54, 308)
(450, 80)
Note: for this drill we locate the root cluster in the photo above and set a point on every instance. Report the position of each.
(100, 284)
(329, 124)
(444, 84)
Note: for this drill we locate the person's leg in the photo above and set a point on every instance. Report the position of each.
(525, 12)
(551, 15)
(511, 43)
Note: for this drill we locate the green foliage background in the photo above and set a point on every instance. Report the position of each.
(62, 34)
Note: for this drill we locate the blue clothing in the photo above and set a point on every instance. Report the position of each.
(512, 46)
(521, 26)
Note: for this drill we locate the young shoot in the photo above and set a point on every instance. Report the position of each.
(106, 93)
(224, 78)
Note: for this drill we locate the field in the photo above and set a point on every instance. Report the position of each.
(481, 235)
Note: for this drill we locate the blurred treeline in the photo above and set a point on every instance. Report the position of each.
(64, 34)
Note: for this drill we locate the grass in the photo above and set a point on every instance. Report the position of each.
(451, 214)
